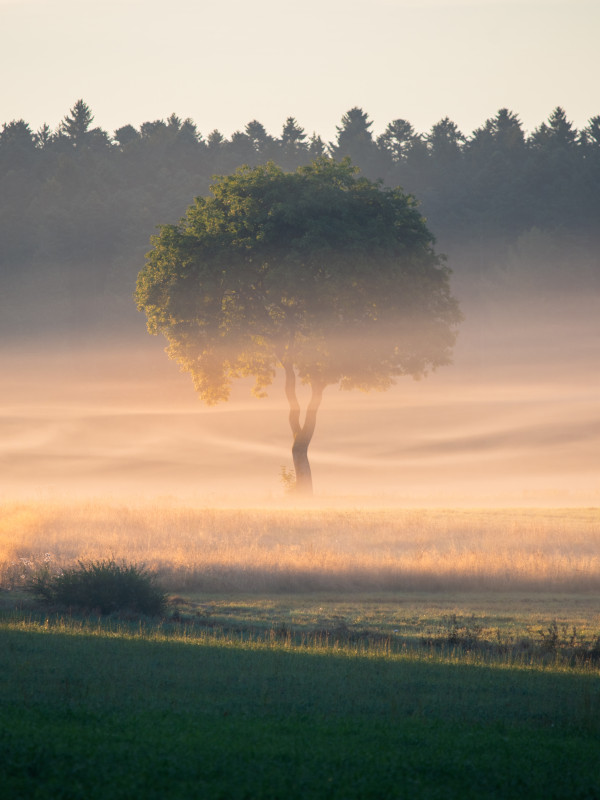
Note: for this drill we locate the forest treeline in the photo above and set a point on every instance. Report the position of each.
(78, 205)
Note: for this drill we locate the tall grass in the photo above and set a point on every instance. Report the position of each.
(203, 549)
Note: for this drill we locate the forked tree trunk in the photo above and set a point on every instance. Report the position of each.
(302, 433)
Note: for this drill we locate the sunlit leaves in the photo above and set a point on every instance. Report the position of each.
(319, 268)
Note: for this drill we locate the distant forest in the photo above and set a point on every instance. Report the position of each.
(78, 205)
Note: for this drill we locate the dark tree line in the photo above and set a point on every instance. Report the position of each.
(80, 204)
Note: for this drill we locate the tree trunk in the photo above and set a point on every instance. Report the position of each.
(302, 433)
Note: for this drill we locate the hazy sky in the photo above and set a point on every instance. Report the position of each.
(225, 62)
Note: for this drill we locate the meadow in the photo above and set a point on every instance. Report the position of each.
(312, 652)
(309, 549)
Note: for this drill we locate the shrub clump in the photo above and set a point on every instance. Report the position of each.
(105, 586)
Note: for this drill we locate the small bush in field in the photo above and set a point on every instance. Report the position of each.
(103, 586)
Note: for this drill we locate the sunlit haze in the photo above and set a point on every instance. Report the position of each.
(299, 398)
(513, 422)
(226, 63)
(97, 407)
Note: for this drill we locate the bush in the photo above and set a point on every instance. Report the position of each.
(103, 586)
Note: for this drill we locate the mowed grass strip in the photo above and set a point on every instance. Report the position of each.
(106, 714)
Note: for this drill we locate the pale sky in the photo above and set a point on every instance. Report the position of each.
(226, 62)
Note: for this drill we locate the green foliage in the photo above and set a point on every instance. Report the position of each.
(318, 269)
(103, 586)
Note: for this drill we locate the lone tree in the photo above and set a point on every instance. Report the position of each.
(320, 272)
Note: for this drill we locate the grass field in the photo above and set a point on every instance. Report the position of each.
(307, 654)
(207, 549)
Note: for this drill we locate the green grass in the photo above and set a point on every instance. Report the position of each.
(220, 705)
(407, 615)
(106, 586)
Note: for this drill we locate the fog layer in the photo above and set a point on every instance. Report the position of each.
(514, 421)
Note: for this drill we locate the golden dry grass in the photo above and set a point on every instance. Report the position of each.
(313, 549)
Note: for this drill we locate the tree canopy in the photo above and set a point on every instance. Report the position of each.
(320, 272)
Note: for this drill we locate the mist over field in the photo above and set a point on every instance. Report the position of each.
(91, 405)
(515, 420)
(305, 592)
